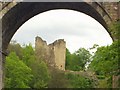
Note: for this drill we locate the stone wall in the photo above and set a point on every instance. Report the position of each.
(53, 54)
(112, 9)
(119, 10)
(115, 81)
(1, 58)
(59, 52)
(40, 48)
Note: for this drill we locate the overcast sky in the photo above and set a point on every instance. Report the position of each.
(77, 29)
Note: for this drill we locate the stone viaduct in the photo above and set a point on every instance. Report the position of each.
(14, 14)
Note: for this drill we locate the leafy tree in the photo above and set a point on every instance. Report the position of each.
(84, 56)
(78, 81)
(15, 47)
(41, 74)
(77, 60)
(94, 46)
(68, 57)
(24, 53)
(28, 54)
(69, 61)
(104, 58)
(105, 62)
(115, 30)
(58, 79)
(39, 68)
(18, 75)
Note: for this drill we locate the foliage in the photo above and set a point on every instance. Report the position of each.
(58, 79)
(78, 81)
(77, 60)
(84, 56)
(24, 53)
(15, 47)
(17, 73)
(103, 83)
(28, 54)
(115, 30)
(38, 68)
(25, 70)
(105, 62)
(61, 79)
(41, 75)
(104, 58)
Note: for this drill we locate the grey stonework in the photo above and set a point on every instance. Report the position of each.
(15, 14)
(1, 55)
(53, 54)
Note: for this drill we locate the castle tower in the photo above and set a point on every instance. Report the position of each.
(60, 53)
(40, 48)
(53, 54)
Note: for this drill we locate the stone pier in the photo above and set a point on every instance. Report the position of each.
(1, 54)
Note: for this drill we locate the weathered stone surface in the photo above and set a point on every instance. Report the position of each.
(115, 81)
(60, 53)
(53, 54)
(5, 7)
(112, 9)
(14, 14)
(19, 13)
(1, 72)
(1, 55)
(119, 10)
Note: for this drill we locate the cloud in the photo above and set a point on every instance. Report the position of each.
(78, 29)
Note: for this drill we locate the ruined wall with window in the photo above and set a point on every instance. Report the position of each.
(53, 54)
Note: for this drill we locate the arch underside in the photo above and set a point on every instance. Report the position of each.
(23, 11)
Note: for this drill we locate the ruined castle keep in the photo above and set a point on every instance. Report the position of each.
(53, 54)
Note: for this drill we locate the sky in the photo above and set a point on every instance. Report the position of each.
(77, 29)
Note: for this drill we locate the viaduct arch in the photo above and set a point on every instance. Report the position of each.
(23, 11)
(20, 12)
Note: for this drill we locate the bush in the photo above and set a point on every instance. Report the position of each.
(78, 81)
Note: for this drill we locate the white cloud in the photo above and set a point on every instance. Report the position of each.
(78, 29)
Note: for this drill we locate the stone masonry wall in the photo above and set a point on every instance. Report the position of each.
(41, 48)
(112, 8)
(59, 52)
(53, 54)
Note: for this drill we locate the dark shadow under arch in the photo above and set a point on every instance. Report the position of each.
(23, 11)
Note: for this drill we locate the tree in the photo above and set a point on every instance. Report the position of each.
(115, 30)
(77, 60)
(105, 60)
(28, 54)
(83, 56)
(68, 59)
(58, 79)
(41, 74)
(15, 47)
(79, 81)
(28, 58)
(18, 75)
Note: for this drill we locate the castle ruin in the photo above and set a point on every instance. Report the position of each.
(53, 54)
